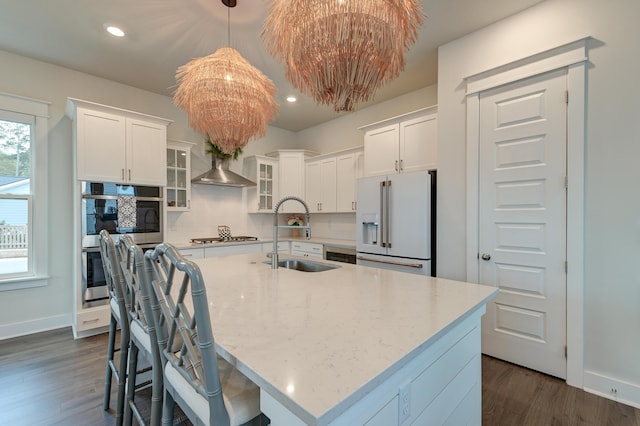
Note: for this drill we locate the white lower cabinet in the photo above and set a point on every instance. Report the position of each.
(92, 318)
(192, 253)
(305, 249)
(284, 247)
(229, 250)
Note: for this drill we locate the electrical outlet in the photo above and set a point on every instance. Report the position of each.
(404, 403)
(614, 392)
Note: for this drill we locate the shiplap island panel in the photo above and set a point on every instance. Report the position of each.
(350, 346)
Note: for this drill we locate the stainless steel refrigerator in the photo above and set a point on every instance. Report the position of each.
(395, 222)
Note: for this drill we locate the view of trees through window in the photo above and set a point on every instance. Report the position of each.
(15, 147)
(15, 192)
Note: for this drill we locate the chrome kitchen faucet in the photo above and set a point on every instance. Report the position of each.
(307, 227)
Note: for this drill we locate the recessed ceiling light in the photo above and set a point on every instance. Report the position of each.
(291, 99)
(115, 31)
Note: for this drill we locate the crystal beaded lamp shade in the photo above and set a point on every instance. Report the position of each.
(340, 52)
(226, 98)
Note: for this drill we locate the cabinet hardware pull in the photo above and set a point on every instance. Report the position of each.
(129, 174)
(396, 165)
(382, 188)
(401, 165)
(389, 262)
(91, 320)
(122, 174)
(387, 213)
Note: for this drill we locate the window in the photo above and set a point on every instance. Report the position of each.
(23, 192)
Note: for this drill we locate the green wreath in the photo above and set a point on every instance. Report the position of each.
(216, 151)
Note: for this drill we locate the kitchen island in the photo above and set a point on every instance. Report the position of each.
(353, 345)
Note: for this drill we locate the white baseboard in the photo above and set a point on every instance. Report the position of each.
(610, 388)
(7, 331)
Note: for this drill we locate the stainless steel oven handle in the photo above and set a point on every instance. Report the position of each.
(390, 262)
(116, 197)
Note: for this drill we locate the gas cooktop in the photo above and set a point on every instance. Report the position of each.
(222, 240)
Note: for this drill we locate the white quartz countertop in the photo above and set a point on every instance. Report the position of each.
(320, 341)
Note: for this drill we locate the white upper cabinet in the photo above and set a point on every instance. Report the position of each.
(401, 144)
(116, 145)
(321, 185)
(178, 190)
(348, 169)
(331, 181)
(264, 172)
(291, 176)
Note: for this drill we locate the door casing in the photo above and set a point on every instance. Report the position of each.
(574, 57)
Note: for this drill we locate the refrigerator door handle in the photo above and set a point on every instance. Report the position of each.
(390, 262)
(387, 214)
(382, 223)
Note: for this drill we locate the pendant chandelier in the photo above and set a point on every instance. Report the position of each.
(339, 52)
(225, 97)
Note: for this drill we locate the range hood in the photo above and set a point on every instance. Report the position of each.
(221, 175)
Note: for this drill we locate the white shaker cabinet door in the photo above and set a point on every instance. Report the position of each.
(146, 153)
(381, 148)
(419, 143)
(101, 144)
(346, 175)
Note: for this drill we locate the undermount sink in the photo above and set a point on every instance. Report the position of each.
(304, 265)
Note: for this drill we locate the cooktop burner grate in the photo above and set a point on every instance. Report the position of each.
(222, 240)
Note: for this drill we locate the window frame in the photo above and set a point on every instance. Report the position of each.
(35, 112)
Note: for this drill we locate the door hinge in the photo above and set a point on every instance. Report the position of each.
(565, 352)
(566, 182)
(566, 267)
(566, 97)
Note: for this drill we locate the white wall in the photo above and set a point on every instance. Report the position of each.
(612, 207)
(216, 205)
(342, 132)
(52, 305)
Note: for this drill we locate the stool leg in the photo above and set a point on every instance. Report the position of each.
(110, 351)
(167, 409)
(156, 391)
(131, 384)
(122, 372)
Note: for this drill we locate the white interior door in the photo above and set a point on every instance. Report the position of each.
(522, 221)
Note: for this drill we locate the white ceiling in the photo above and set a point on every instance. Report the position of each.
(164, 34)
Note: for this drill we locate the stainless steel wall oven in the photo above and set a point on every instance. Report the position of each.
(120, 209)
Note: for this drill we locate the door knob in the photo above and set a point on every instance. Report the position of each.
(486, 256)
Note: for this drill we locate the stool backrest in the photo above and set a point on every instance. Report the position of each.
(174, 280)
(112, 271)
(135, 279)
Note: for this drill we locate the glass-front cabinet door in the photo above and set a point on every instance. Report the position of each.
(262, 170)
(178, 175)
(266, 186)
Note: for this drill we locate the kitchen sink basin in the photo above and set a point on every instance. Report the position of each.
(304, 265)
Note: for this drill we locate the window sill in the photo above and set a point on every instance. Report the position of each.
(20, 283)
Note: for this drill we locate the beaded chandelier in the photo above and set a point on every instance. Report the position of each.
(339, 52)
(226, 98)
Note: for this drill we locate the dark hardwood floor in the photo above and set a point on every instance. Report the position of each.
(51, 379)
(512, 395)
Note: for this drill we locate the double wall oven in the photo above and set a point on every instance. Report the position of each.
(120, 209)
